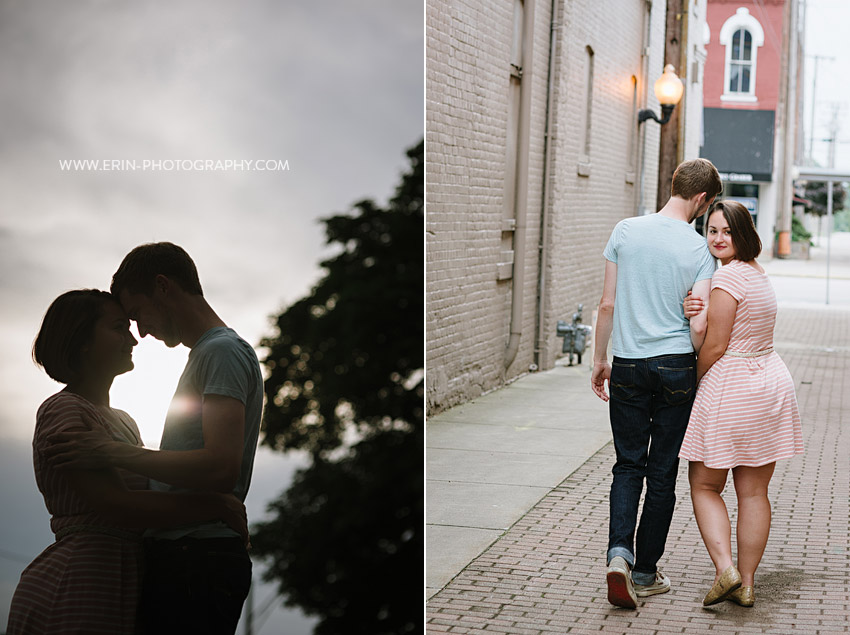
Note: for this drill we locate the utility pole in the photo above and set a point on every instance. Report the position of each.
(817, 58)
(786, 117)
(834, 126)
(668, 154)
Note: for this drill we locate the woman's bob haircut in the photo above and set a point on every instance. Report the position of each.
(67, 327)
(745, 238)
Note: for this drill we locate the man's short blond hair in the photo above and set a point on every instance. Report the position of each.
(696, 176)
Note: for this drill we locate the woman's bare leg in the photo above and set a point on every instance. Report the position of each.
(753, 517)
(710, 511)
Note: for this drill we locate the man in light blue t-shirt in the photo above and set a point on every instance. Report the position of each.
(196, 577)
(651, 263)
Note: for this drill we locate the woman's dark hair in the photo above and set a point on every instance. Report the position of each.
(745, 238)
(139, 269)
(68, 325)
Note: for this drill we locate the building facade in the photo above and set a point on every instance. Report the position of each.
(753, 105)
(533, 154)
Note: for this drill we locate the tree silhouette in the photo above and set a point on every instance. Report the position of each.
(346, 383)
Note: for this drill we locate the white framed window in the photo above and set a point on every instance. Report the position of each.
(742, 36)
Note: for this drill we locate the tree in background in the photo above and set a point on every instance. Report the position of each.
(346, 384)
(817, 194)
(841, 222)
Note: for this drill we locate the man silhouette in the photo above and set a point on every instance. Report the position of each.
(197, 576)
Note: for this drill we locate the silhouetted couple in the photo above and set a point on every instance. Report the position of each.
(146, 541)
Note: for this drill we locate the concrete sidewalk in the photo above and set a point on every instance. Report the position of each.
(491, 461)
(804, 282)
(546, 574)
(838, 247)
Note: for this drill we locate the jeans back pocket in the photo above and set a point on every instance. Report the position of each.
(677, 384)
(622, 385)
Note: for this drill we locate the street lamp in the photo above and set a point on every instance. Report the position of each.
(668, 89)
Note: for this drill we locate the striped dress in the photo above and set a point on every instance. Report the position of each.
(745, 411)
(88, 581)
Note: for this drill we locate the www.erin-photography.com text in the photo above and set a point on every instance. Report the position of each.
(173, 165)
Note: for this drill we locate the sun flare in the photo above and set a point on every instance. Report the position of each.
(146, 391)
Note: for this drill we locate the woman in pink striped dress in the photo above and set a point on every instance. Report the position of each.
(745, 416)
(87, 582)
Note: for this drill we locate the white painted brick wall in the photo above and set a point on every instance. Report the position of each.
(468, 49)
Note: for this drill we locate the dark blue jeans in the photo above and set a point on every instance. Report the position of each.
(650, 406)
(194, 585)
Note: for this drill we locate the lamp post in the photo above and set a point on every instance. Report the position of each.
(668, 90)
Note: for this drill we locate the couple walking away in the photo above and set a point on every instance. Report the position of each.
(146, 541)
(694, 375)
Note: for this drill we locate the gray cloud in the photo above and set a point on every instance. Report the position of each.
(335, 88)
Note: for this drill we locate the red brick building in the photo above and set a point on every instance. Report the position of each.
(752, 102)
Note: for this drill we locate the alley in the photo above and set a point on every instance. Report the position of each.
(546, 574)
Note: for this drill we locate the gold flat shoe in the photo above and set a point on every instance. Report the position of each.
(728, 581)
(743, 596)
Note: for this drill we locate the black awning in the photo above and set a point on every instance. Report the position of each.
(739, 143)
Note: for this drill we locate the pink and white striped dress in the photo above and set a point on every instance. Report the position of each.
(745, 410)
(88, 581)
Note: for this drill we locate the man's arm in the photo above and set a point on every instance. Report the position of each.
(214, 467)
(105, 492)
(721, 318)
(698, 322)
(604, 326)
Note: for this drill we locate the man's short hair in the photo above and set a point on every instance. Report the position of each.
(745, 238)
(67, 327)
(139, 269)
(694, 177)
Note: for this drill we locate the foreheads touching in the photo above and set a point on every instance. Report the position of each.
(139, 270)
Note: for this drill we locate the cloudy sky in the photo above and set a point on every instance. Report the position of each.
(826, 36)
(332, 90)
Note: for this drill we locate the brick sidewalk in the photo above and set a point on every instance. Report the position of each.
(546, 574)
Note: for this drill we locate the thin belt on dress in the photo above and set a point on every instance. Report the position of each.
(97, 529)
(761, 353)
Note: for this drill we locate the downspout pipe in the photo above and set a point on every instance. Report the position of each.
(543, 247)
(646, 41)
(521, 204)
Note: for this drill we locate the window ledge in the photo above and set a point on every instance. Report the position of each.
(739, 97)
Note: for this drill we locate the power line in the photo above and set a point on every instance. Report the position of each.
(256, 618)
(265, 612)
(817, 58)
(771, 34)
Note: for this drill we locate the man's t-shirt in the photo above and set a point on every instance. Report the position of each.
(220, 363)
(659, 259)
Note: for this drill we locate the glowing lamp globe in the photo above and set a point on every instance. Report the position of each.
(669, 88)
(668, 91)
